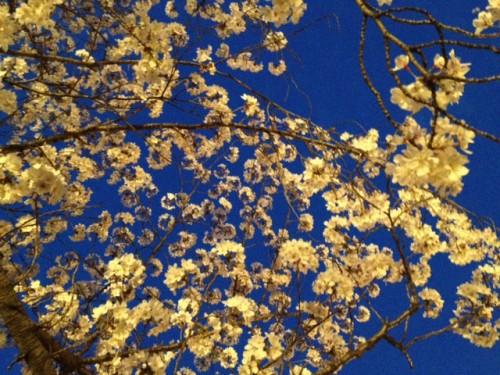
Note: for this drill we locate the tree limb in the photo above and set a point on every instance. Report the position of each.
(38, 348)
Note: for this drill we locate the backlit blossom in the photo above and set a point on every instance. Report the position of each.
(275, 41)
(363, 314)
(413, 166)
(433, 302)
(37, 12)
(245, 306)
(417, 90)
(8, 100)
(401, 62)
(43, 180)
(251, 105)
(333, 282)
(228, 358)
(254, 352)
(277, 70)
(7, 28)
(488, 18)
(299, 255)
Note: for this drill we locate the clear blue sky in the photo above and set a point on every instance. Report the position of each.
(330, 75)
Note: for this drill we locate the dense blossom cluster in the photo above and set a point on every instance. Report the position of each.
(488, 18)
(184, 247)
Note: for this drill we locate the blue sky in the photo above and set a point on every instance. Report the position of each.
(329, 73)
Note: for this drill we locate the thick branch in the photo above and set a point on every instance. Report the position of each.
(333, 366)
(22, 329)
(109, 129)
(40, 351)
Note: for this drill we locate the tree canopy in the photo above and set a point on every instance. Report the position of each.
(170, 204)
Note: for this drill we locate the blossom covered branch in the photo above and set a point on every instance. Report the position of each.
(162, 213)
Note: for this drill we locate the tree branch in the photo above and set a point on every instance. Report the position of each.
(40, 351)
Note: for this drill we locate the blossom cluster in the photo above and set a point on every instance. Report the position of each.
(487, 18)
(417, 95)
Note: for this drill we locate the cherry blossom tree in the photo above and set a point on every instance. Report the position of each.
(160, 214)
